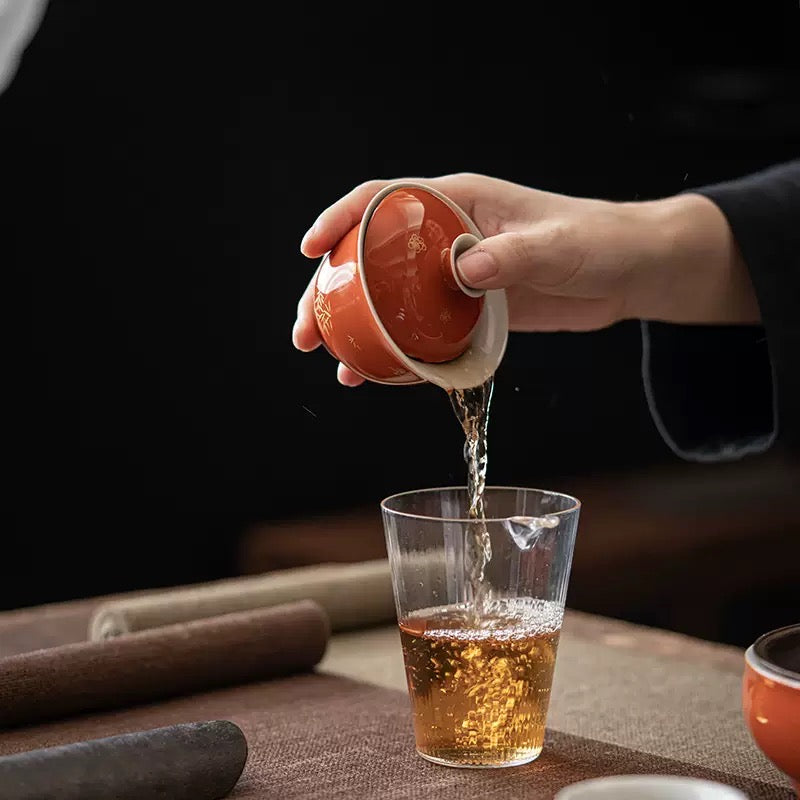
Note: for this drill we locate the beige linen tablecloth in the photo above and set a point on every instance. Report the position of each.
(626, 699)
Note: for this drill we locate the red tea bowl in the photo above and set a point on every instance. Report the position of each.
(771, 698)
(390, 304)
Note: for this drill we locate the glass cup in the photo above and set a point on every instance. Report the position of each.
(480, 605)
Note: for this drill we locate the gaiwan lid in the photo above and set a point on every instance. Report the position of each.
(410, 244)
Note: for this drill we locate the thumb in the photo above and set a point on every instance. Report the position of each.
(497, 262)
(543, 257)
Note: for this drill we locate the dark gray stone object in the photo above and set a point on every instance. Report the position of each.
(191, 761)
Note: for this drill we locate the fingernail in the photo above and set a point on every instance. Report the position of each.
(476, 266)
(308, 234)
(294, 334)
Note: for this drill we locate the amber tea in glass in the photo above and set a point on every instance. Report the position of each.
(480, 659)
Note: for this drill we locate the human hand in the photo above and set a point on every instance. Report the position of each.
(570, 263)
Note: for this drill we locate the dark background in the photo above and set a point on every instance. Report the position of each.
(159, 169)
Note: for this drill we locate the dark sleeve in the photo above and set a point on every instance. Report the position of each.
(716, 393)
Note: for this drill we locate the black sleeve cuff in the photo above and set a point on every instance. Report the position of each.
(715, 391)
(709, 389)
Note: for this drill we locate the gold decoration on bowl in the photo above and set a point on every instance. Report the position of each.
(322, 310)
(417, 243)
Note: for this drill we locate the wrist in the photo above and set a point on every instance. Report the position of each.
(692, 271)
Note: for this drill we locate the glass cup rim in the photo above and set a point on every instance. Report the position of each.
(575, 507)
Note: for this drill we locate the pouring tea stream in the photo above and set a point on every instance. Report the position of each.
(391, 306)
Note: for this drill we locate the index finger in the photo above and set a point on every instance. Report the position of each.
(336, 220)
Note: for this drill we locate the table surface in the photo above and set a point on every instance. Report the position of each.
(615, 682)
(641, 682)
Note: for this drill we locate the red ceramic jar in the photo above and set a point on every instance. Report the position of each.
(771, 698)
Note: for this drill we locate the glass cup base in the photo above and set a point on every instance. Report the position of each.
(518, 762)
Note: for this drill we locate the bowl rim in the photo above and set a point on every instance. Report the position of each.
(726, 792)
(758, 661)
(493, 298)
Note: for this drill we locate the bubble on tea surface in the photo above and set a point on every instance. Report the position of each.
(525, 531)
